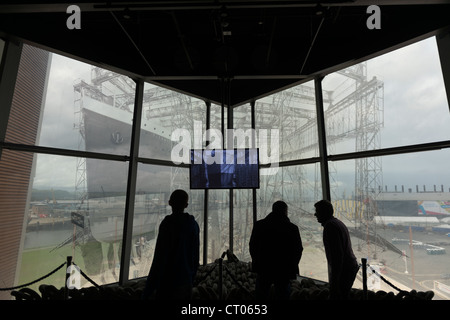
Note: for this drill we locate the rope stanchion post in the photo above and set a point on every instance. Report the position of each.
(221, 275)
(66, 287)
(220, 279)
(364, 277)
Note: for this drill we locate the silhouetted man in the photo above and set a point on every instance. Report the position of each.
(342, 265)
(176, 257)
(276, 249)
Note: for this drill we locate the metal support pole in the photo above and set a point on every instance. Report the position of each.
(131, 185)
(66, 287)
(411, 250)
(324, 173)
(222, 109)
(443, 44)
(206, 194)
(253, 115)
(364, 276)
(220, 285)
(205, 227)
(230, 145)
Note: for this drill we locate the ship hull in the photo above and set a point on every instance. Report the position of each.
(107, 180)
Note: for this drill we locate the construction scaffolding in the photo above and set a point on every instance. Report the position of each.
(353, 113)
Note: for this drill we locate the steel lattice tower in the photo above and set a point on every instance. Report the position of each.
(353, 113)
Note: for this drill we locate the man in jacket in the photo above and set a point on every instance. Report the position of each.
(342, 264)
(176, 257)
(276, 249)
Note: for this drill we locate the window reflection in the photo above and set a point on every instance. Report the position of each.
(300, 188)
(385, 102)
(407, 205)
(78, 106)
(293, 113)
(166, 112)
(219, 223)
(154, 185)
(50, 235)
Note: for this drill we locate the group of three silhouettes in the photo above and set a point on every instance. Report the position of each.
(275, 247)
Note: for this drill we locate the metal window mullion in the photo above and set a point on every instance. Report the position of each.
(230, 145)
(253, 116)
(443, 44)
(412, 148)
(164, 163)
(62, 152)
(324, 172)
(131, 185)
(206, 194)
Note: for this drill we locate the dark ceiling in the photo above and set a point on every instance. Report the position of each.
(191, 46)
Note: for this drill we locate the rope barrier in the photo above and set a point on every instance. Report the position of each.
(48, 275)
(387, 281)
(199, 281)
(35, 281)
(87, 278)
(404, 292)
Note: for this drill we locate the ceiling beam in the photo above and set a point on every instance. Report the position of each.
(59, 6)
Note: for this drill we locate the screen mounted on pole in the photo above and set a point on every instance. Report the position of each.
(224, 169)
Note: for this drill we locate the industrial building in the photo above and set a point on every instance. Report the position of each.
(102, 101)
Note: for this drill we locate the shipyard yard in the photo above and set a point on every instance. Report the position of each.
(424, 266)
(414, 256)
(421, 277)
(426, 269)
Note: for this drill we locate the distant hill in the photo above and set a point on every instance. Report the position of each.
(42, 195)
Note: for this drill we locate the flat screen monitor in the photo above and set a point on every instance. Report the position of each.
(224, 169)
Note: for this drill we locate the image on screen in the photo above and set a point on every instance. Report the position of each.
(224, 169)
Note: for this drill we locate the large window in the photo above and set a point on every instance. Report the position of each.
(300, 187)
(50, 236)
(169, 119)
(82, 107)
(292, 114)
(394, 206)
(72, 108)
(385, 102)
(401, 225)
(286, 127)
(153, 187)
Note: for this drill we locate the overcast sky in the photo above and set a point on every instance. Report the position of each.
(415, 111)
